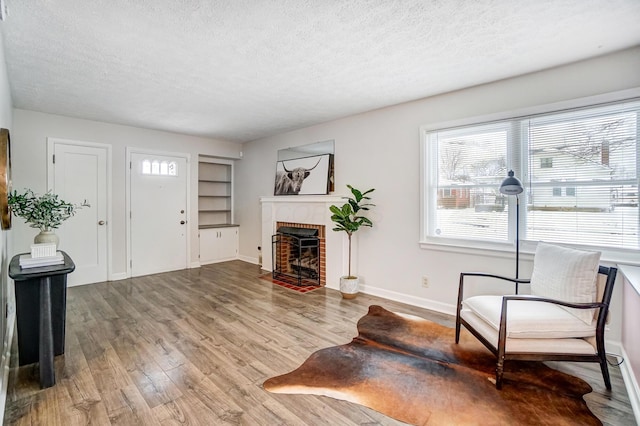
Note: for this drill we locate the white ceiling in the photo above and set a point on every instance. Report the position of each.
(243, 69)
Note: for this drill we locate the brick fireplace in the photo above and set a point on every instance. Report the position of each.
(283, 257)
(306, 211)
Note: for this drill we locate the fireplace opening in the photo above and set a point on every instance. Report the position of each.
(296, 255)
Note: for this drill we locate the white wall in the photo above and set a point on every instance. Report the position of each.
(631, 317)
(381, 149)
(31, 130)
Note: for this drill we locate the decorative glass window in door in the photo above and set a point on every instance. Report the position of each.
(159, 168)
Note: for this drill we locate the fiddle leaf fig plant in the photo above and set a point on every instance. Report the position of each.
(348, 217)
(45, 212)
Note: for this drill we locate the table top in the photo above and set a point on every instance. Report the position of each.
(19, 274)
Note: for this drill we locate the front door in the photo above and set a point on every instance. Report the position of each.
(158, 213)
(78, 173)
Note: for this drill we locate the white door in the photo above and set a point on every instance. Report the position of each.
(80, 173)
(158, 216)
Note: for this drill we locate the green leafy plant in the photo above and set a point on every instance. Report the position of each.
(348, 217)
(45, 212)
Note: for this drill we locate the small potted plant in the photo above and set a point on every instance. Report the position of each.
(45, 212)
(348, 219)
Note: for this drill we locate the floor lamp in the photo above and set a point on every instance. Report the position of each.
(512, 186)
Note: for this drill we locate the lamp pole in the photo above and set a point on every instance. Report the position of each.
(517, 234)
(512, 186)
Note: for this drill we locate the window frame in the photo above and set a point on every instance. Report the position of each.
(505, 249)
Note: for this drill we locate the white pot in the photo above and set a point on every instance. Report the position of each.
(46, 237)
(349, 287)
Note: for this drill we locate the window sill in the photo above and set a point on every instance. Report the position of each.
(632, 275)
(527, 250)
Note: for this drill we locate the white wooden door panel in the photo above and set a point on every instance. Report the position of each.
(208, 247)
(228, 248)
(80, 173)
(158, 215)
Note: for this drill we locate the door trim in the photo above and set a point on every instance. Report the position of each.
(51, 142)
(132, 150)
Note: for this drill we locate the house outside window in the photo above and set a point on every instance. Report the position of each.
(589, 154)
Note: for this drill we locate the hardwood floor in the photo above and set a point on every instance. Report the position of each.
(194, 347)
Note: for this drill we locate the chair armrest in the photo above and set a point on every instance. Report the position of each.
(500, 277)
(502, 332)
(485, 275)
(592, 305)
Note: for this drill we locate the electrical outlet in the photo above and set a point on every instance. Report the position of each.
(425, 282)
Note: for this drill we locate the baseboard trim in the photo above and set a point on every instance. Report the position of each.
(630, 382)
(5, 364)
(193, 265)
(613, 348)
(420, 302)
(248, 259)
(118, 277)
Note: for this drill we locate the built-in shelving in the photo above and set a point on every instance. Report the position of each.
(218, 234)
(215, 203)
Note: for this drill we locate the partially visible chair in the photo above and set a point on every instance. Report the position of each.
(563, 319)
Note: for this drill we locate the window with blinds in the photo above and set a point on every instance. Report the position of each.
(471, 162)
(579, 169)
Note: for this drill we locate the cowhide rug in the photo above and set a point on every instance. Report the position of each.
(410, 369)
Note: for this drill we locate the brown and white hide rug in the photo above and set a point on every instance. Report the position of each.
(410, 369)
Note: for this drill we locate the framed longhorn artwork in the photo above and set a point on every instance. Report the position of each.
(304, 176)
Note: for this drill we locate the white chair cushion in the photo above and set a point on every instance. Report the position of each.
(558, 346)
(529, 319)
(566, 274)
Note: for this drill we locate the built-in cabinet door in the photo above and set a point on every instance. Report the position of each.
(228, 245)
(208, 247)
(218, 244)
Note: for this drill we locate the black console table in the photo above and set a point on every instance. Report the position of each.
(41, 307)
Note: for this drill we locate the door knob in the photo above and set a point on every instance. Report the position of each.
(102, 222)
(182, 222)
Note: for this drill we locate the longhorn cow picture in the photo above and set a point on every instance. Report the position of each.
(304, 176)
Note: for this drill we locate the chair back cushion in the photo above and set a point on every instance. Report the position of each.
(566, 274)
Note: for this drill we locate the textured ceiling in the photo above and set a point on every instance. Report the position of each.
(243, 69)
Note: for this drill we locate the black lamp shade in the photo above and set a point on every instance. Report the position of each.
(511, 185)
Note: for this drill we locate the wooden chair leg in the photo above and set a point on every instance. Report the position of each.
(605, 373)
(459, 306)
(499, 373)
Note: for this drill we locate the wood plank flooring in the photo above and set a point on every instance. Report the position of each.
(194, 347)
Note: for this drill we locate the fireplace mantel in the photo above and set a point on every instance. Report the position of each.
(306, 209)
(332, 199)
